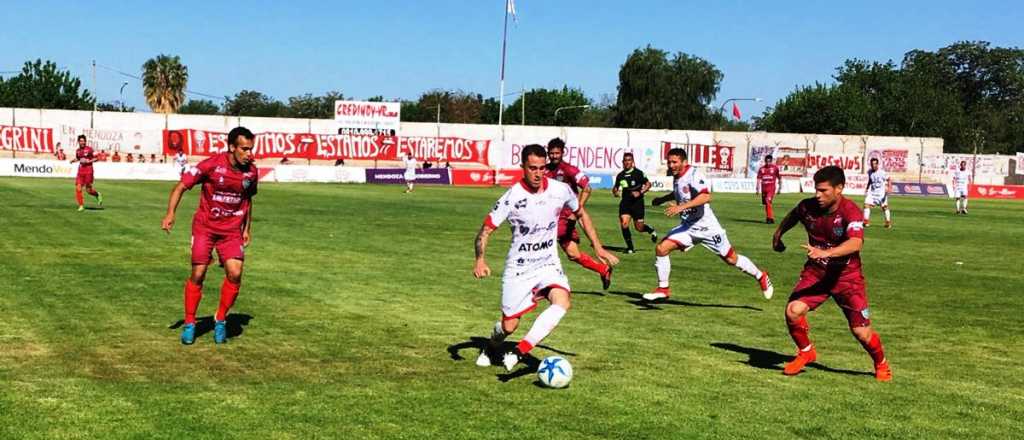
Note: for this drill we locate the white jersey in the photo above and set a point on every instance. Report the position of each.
(533, 217)
(181, 161)
(961, 179)
(410, 164)
(877, 182)
(687, 187)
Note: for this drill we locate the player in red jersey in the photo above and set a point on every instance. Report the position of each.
(835, 230)
(769, 182)
(568, 236)
(85, 156)
(222, 221)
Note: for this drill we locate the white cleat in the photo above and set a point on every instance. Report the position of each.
(658, 294)
(767, 289)
(510, 360)
(483, 360)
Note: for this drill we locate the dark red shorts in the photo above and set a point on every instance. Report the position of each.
(816, 285)
(204, 241)
(767, 197)
(567, 231)
(84, 179)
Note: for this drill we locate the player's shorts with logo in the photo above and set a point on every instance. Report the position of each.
(205, 240)
(633, 208)
(410, 176)
(960, 193)
(847, 287)
(520, 291)
(84, 177)
(875, 199)
(567, 230)
(710, 236)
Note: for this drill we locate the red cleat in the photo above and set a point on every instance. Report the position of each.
(802, 358)
(882, 372)
(658, 294)
(606, 278)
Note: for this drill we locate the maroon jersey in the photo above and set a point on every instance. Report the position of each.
(828, 230)
(571, 176)
(85, 158)
(768, 177)
(227, 193)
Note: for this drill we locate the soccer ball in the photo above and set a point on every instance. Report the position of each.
(555, 372)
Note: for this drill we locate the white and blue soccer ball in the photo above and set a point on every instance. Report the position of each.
(555, 372)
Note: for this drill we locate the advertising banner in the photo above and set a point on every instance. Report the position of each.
(37, 168)
(892, 161)
(433, 176)
(719, 157)
(916, 189)
(508, 176)
(996, 191)
(590, 158)
(851, 163)
(371, 115)
(734, 185)
(856, 184)
(125, 141)
(472, 177)
(440, 149)
(27, 139)
(601, 180)
(756, 159)
(325, 174)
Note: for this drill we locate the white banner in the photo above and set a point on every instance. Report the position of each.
(327, 174)
(102, 170)
(368, 115)
(590, 158)
(856, 185)
(100, 139)
(724, 185)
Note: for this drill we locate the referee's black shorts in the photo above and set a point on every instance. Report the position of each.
(633, 208)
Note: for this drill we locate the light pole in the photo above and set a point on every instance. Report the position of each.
(122, 94)
(522, 105)
(721, 110)
(568, 108)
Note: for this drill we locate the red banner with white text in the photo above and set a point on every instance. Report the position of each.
(996, 191)
(357, 146)
(719, 157)
(27, 139)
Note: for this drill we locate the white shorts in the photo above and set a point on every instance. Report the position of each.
(410, 176)
(876, 199)
(960, 193)
(519, 293)
(712, 238)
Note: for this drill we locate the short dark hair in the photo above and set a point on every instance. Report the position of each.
(627, 154)
(81, 137)
(533, 150)
(556, 143)
(831, 174)
(239, 131)
(678, 152)
(768, 156)
(873, 159)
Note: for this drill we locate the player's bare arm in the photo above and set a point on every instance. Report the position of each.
(615, 191)
(246, 236)
(172, 207)
(848, 247)
(595, 242)
(481, 270)
(701, 199)
(584, 195)
(788, 223)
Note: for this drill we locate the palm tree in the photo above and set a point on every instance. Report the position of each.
(163, 81)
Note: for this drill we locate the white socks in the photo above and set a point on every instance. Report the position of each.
(867, 214)
(664, 266)
(888, 215)
(747, 266)
(545, 323)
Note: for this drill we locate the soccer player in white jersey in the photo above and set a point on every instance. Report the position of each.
(181, 161)
(532, 268)
(410, 172)
(698, 225)
(877, 193)
(961, 178)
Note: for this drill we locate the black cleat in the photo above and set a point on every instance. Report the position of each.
(606, 279)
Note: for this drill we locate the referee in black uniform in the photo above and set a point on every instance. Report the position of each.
(631, 184)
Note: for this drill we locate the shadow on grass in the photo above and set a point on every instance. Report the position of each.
(747, 220)
(204, 324)
(643, 304)
(93, 208)
(527, 365)
(770, 360)
(618, 249)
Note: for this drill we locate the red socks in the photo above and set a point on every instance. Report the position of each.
(768, 211)
(193, 294)
(798, 331)
(78, 196)
(592, 264)
(228, 293)
(874, 348)
(524, 346)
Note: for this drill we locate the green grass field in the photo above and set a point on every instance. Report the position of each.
(359, 314)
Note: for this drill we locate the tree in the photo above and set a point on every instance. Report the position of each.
(457, 107)
(199, 107)
(542, 104)
(313, 107)
(253, 103)
(42, 85)
(164, 80)
(114, 106)
(655, 92)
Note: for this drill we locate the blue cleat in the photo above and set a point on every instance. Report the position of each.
(220, 332)
(188, 334)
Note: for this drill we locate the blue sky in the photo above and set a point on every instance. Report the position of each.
(399, 49)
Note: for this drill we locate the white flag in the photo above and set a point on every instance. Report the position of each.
(510, 8)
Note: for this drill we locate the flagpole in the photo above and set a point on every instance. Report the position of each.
(501, 87)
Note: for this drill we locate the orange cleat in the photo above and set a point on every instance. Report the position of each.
(882, 372)
(797, 364)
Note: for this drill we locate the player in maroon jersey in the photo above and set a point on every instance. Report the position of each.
(769, 182)
(221, 222)
(835, 231)
(85, 156)
(568, 236)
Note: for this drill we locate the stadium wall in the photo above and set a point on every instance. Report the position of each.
(596, 150)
